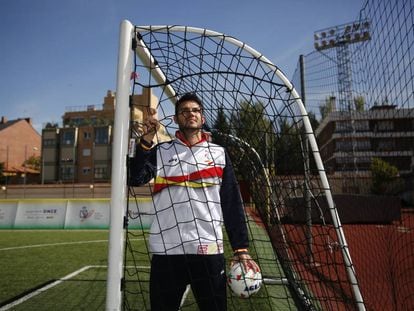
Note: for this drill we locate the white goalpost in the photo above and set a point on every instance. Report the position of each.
(119, 193)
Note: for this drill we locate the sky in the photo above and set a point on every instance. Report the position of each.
(55, 54)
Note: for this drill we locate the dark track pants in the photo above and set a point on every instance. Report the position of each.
(170, 275)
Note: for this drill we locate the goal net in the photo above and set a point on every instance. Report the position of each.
(256, 114)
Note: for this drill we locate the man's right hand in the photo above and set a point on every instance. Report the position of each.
(151, 126)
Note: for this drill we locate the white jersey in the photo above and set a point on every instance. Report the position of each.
(195, 193)
(188, 217)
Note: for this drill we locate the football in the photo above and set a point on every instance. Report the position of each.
(243, 284)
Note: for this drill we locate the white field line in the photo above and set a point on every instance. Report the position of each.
(184, 298)
(44, 288)
(49, 286)
(57, 244)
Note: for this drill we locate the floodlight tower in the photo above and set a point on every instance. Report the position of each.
(340, 37)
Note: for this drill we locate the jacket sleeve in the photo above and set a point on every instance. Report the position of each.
(232, 207)
(141, 168)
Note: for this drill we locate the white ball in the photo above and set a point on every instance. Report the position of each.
(243, 284)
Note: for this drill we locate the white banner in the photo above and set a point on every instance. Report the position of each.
(8, 211)
(40, 214)
(140, 213)
(70, 214)
(87, 214)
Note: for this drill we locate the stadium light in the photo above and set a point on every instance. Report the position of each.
(92, 187)
(4, 190)
(342, 34)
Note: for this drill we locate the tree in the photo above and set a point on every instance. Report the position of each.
(51, 125)
(288, 155)
(221, 126)
(221, 123)
(251, 125)
(327, 107)
(33, 162)
(359, 103)
(313, 120)
(248, 136)
(384, 177)
(277, 142)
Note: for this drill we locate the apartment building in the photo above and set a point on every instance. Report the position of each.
(81, 150)
(348, 140)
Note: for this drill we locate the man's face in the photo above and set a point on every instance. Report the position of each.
(189, 116)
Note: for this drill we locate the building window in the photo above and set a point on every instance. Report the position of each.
(101, 172)
(86, 152)
(86, 170)
(386, 145)
(49, 142)
(343, 145)
(349, 145)
(68, 138)
(343, 126)
(361, 125)
(87, 135)
(351, 126)
(66, 173)
(77, 121)
(66, 160)
(385, 125)
(101, 135)
(345, 160)
(362, 145)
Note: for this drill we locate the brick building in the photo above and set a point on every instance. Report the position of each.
(18, 142)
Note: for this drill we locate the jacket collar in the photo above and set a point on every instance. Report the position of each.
(204, 137)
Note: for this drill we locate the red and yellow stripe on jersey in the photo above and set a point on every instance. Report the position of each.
(197, 179)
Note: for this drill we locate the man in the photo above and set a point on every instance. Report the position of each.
(195, 193)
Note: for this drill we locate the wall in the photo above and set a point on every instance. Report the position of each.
(69, 213)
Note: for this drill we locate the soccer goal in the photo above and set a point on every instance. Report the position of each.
(253, 110)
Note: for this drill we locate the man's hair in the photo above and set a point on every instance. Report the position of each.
(188, 97)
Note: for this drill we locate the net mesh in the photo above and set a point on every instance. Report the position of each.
(366, 109)
(251, 111)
